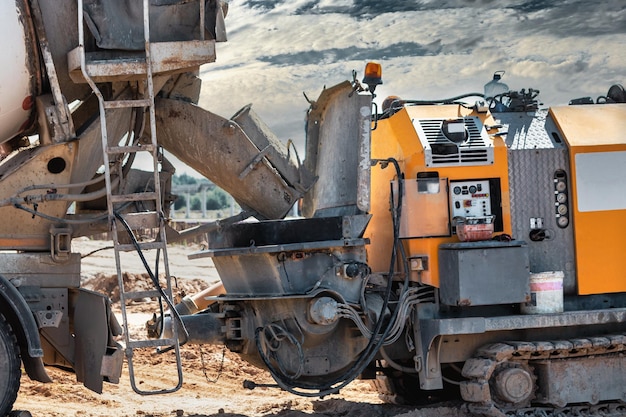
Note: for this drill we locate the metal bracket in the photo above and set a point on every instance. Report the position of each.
(427, 355)
(418, 363)
(375, 113)
(112, 363)
(257, 159)
(60, 244)
(49, 318)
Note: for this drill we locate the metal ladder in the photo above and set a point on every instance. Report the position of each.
(156, 218)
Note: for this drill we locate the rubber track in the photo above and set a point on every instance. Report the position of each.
(480, 367)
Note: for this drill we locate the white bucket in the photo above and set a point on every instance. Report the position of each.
(546, 293)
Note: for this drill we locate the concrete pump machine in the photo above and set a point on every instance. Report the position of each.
(468, 247)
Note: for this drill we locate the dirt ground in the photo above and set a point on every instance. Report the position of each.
(212, 378)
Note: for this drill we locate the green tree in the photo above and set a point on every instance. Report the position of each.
(216, 199)
(184, 179)
(196, 203)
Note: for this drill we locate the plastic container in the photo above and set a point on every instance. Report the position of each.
(546, 293)
(495, 86)
(474, 229)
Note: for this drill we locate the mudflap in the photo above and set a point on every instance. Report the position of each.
(97, 356)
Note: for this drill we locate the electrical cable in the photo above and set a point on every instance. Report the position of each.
(408, 299)
(60, 219)
(42, 198)
(394, 364)
(279, 333)
(154, 279)
(96, 251)
(451, 100)
(83, 220)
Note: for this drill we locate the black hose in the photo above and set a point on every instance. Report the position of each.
(450, 100)
(155, 280)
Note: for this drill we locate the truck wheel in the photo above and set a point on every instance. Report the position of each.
(10, 367)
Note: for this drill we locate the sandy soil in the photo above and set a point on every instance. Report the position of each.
(212, 378)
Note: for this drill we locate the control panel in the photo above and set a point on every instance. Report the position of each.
(470, 198)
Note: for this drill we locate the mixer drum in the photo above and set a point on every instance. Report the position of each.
(18, 76)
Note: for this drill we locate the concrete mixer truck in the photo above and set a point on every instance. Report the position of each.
(460, 247)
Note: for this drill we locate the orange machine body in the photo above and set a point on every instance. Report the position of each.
(427, 217)
(598, 176)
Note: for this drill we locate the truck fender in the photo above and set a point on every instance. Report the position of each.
(18, 314)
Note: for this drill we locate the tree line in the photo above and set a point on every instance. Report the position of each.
(216, 198)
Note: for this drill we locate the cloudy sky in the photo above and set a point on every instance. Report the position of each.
(278, 49)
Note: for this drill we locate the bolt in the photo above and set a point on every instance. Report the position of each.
(230, 128)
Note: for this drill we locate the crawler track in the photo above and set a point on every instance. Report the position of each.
(487, 390)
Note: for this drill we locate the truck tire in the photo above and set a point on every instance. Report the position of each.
(10, 367)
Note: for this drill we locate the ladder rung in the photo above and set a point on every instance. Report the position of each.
(136, 344)
(142, 246)
(119, 104)
(138, 295)
(123, 198)
(130, 149)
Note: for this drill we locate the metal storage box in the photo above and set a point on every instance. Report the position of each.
(484, 273)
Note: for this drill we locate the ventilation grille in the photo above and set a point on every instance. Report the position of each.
(440, 151)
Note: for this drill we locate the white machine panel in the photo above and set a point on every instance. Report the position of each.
(470, 198)
(600, 179)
